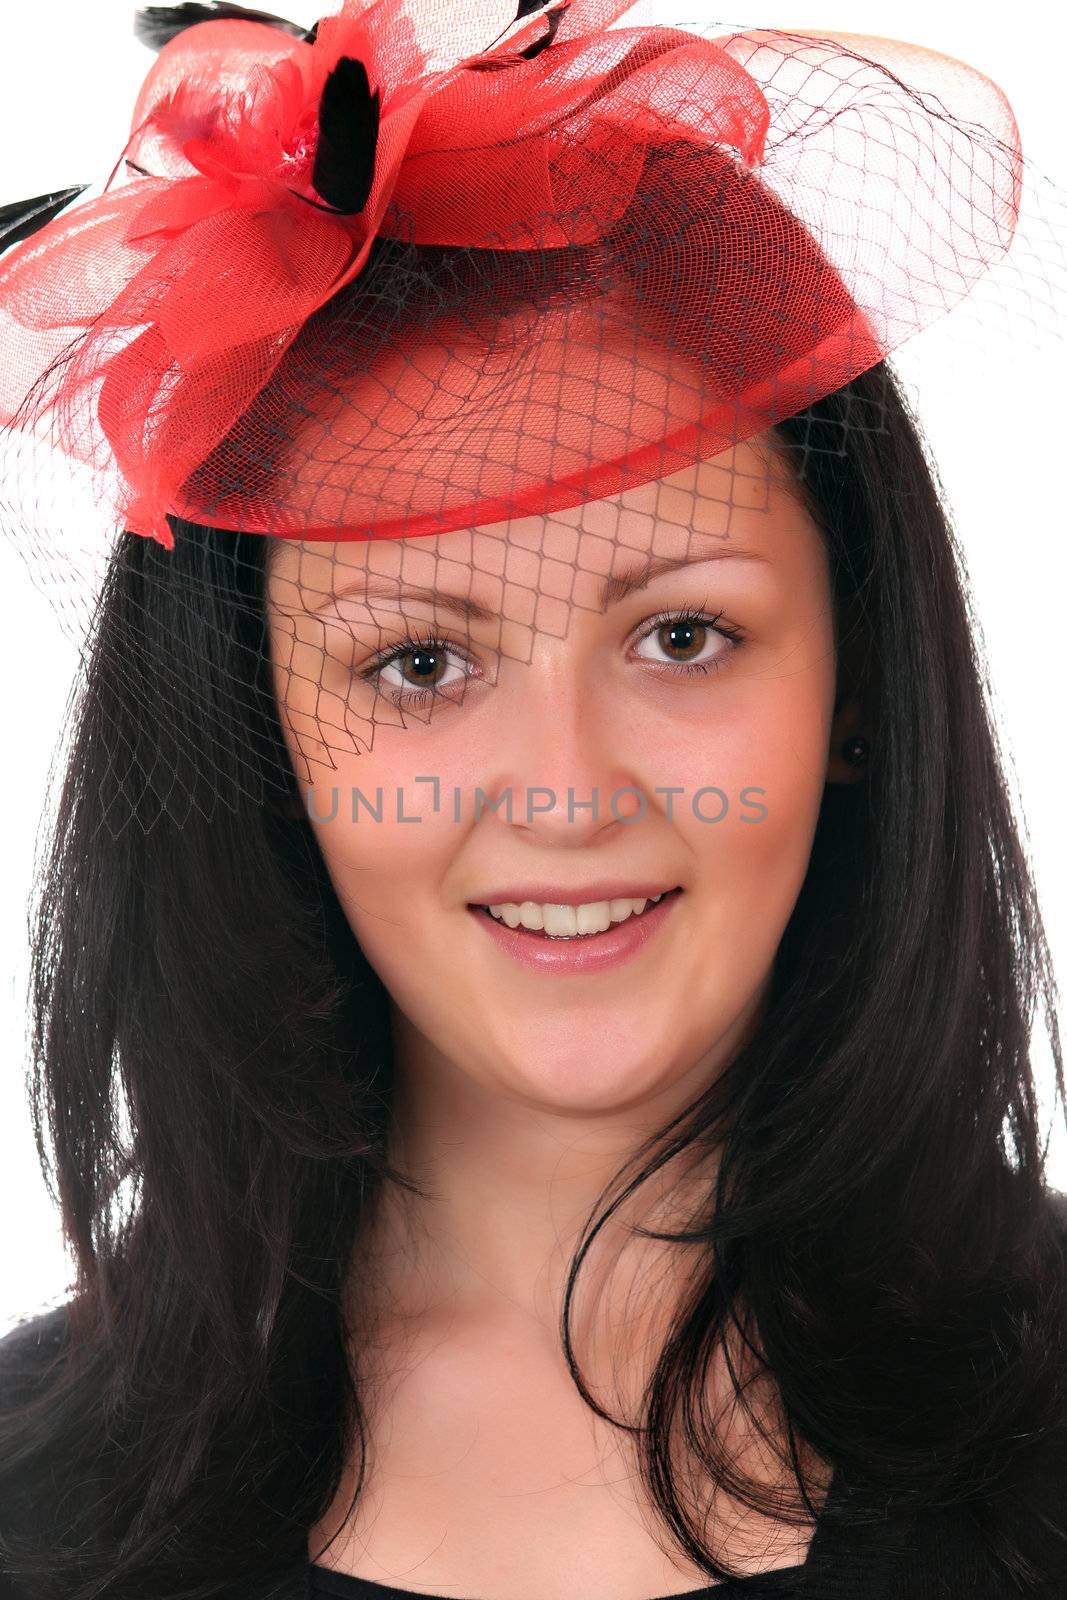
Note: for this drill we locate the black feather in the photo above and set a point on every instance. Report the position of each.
(546, 38)
(156, 26)
(348, 138)
(25, 217)
(526, 8)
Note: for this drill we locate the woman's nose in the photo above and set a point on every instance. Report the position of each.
(567, 764)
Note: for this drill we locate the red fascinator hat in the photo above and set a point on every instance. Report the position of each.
(165, 332)
(429, 267)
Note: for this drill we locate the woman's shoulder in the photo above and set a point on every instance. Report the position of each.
(28, 1354)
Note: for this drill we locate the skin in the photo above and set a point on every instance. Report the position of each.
(519, 1096)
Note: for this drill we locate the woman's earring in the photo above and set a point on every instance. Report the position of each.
(856, 751)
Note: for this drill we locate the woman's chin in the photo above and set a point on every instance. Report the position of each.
(595, 1065)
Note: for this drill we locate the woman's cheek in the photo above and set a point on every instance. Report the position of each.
(387, 863)
(782, 799)
(762, 770)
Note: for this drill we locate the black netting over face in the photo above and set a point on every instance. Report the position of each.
(238, 668)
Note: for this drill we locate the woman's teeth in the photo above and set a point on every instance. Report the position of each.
(569, 922)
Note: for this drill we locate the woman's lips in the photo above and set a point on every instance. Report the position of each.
(591, 952)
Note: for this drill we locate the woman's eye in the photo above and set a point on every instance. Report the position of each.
(689, 642)
(417, 670)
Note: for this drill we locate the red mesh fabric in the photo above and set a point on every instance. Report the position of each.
(819, 200)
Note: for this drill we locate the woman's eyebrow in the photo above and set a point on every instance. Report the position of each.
(620, 584)
(613, 588)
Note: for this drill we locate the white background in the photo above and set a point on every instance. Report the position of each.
(69, 74)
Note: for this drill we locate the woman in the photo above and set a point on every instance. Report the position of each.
(528, 1096)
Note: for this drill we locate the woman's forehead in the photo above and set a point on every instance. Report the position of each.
(485, 415)
(745, 495)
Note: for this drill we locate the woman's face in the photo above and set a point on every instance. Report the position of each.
(705, 744)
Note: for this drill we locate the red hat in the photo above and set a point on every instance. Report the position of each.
(774, 211)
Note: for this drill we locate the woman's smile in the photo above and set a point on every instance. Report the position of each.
(560, 953)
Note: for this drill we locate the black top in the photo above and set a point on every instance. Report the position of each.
(337, 1585)
(936, 1556)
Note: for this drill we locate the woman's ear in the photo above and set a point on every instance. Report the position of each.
(850, 745)
(851, 736)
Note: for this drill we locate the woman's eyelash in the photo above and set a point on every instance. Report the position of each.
(702, 616)
(432, 644)
(438, 644)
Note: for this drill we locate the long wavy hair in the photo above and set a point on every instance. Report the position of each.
(212, 1069)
